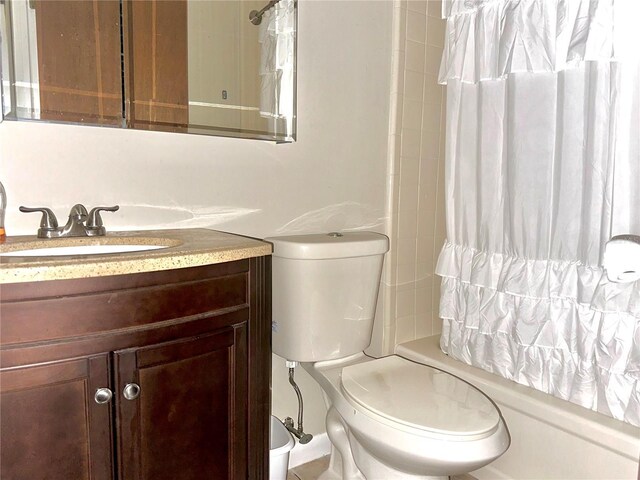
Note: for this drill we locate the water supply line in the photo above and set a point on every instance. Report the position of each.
(298, 431)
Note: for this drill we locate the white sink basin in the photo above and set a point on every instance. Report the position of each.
(80, 250)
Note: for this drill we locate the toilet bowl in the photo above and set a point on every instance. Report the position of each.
(388, 418)
(392, 418)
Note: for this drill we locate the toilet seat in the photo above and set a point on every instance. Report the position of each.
(387, 389)
(382, 437)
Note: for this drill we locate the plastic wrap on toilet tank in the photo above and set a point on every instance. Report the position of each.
(325, 289)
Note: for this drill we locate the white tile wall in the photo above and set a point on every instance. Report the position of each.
(410, 291)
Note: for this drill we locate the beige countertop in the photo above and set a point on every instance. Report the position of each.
(186, 248)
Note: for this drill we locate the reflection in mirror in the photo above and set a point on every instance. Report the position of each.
(61, 61)
(217, 67)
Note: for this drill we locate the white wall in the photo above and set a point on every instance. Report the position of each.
(333, 178)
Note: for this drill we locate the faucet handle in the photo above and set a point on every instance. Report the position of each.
(95, 219)
(48, 222)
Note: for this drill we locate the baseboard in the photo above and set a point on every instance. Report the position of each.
(316, 448)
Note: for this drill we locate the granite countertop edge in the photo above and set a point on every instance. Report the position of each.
(191, 247)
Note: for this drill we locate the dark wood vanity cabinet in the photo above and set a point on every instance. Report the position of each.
(185, 354)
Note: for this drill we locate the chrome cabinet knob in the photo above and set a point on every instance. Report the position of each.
(103, 395)
(131, 391)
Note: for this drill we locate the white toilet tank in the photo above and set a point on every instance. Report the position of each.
(325, 289)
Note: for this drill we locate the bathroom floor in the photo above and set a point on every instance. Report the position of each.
(312, 470)
(309, 471)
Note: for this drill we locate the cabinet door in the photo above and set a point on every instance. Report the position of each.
(157, 58)
(188, 421)
(50, 424)
(79, 61)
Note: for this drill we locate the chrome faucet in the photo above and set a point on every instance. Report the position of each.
(75, 226)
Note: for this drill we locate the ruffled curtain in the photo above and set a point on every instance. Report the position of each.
(543, 167)
(277, 38)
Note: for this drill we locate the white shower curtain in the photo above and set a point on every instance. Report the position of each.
(543, 167)
(277, 38)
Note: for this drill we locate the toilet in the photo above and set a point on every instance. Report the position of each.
(387, 418)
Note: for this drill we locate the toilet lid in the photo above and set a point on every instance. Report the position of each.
(419, 396)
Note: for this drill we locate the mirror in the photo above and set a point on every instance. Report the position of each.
(213, 67)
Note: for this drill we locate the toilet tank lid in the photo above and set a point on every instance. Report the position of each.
(329, 245)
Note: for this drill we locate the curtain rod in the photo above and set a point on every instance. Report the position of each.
(255, 16)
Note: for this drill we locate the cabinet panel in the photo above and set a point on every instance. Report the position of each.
(189, 420)
(50, 425)
(159, 84)
(73, 316)
(79, 61)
